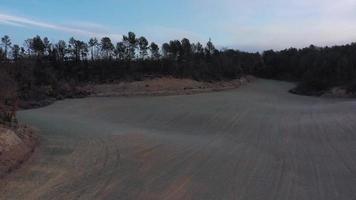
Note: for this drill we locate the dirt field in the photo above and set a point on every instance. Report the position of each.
(257, 142)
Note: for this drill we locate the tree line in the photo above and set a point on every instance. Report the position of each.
(131, 48)
(41, 69)
(316, 69)
(99, 60)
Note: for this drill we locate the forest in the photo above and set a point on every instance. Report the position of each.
(39, 69)
(315, 69)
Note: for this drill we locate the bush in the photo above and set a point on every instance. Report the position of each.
(351, 88)
(8, 98)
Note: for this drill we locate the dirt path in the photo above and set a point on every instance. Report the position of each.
(257, 142)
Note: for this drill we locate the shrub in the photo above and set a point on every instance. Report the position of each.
(8, 98)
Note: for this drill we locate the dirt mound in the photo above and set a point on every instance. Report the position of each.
(16, 145)
(166, 86)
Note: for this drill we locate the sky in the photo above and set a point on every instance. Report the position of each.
(250, 25)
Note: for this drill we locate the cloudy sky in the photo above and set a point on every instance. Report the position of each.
(251, 25)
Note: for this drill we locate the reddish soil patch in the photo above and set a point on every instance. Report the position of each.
(16, 146)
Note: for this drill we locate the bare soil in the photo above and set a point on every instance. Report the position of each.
(339, 92)
(16, 146)
(257, 142)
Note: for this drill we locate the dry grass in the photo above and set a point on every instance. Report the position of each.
(165, 86)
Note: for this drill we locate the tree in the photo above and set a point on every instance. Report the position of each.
(37, 45)
(78, 49)
(143, 45)
(61, 47)
(131, 43)
(175, 49)
(120, 50)
(186, 48)
(28, 45)
(198, 48)
(154, 51)
(93, 45)
(16, 52)
(22, 51)
(6, 42)
(210, 48)
(83, 50)
(107, 47)
(166, 50)
(73, 49)
(2, 54)
(47, 45)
